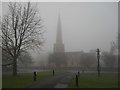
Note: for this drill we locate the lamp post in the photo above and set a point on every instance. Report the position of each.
(98, 57)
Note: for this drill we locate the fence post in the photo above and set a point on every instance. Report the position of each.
(35, 75)
(76, 80)
(78, 74)
(53, 72)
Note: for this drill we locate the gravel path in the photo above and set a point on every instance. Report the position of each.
(60, 81)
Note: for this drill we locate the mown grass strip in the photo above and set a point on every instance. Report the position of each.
(91, 80)
(24, 79)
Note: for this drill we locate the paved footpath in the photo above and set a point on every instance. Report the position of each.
(60, 81)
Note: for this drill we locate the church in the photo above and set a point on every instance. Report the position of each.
(60, 58)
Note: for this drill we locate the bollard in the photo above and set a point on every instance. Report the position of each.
(76, 81)
(35, 75)
(53, 72)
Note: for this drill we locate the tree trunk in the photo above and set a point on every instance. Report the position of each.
(15, 66)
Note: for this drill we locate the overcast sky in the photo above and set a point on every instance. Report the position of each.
(85, 26)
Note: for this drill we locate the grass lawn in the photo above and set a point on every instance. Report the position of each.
(91, 80)
(24, 79)
(0, 80)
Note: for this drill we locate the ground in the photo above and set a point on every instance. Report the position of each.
(61, 80)
(91, 80)
(24, 79)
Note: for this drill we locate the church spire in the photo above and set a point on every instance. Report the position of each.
(59, 31)
(59, 46)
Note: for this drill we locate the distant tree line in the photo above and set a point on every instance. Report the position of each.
(88, 59)
(24, 59)
(108, 59)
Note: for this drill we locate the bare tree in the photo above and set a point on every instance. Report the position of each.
(21, 30)
(114, 47)
(25, 59)
(109, 59)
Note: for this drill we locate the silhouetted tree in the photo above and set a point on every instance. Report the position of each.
(6, 59)
(25, 59)
(108, 59)
(113, 47)
(21, 30)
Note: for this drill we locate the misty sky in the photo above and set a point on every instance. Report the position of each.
(85, 26)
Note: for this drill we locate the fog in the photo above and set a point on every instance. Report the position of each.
(85, 26)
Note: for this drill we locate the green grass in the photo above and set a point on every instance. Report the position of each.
(0, 80)
(93, 81)
(24, 79)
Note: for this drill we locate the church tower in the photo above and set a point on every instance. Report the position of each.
(58, 58)
(59, 46)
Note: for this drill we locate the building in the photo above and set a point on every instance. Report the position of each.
(59, 46)
(60, 58)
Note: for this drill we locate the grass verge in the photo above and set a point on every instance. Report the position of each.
(24, 79)
(91, 80)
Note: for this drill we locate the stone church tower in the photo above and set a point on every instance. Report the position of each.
(59, 46)
(58, 58)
